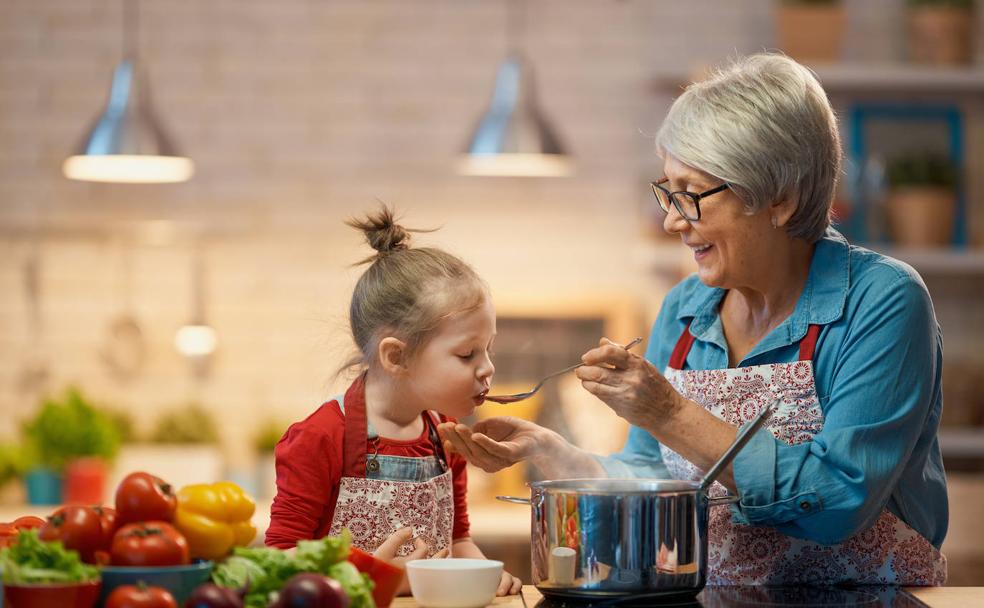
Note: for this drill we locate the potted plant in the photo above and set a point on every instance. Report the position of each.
(922, 199)
(182, 447)
(811, 31)
(68, 443)
(265, 441)
(941, 31)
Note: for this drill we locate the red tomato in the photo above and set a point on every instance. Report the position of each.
(132, 596)
(77, 527)
(107, 519)
(8, 532)
(151, 543)
(27, 522)
(7, 535)
(386, 576)
(144, 497)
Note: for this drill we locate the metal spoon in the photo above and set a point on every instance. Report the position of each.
(520, 396)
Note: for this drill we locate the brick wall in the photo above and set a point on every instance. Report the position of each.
(300, 113)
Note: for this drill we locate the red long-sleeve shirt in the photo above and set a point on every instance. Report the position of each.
(309, 472)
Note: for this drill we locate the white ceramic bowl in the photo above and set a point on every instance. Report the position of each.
(454, 583)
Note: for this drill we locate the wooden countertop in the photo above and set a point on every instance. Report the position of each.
(935, 597)
(948, 597)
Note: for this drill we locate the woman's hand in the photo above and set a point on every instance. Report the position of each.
(509, 585)
(630, 385)
(494, 443)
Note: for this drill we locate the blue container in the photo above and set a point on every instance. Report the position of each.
(44, 487)
(179, 580)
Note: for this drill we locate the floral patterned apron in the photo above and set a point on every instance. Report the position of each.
(372, 509)
(889, 552)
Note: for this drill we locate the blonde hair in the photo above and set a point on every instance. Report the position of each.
(405, 292)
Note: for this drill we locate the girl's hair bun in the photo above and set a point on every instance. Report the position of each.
(382, 232)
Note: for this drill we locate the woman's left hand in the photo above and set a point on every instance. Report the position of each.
(509, 585)
(630, 385)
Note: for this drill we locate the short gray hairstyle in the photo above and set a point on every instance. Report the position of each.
(764, 125)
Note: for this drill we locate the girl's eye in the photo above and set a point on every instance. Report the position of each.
(468, 356)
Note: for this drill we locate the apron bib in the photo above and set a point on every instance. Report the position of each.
(373, 509)
(889, 552)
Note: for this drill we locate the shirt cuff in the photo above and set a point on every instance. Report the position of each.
(755, 477)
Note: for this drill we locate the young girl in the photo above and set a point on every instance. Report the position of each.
(371, 460)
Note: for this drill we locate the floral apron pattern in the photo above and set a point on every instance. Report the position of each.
(372, 509)
(889, 552)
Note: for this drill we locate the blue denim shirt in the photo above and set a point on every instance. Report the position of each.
(877, 369)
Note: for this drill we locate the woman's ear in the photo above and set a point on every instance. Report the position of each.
(392, 355)
(782, 212)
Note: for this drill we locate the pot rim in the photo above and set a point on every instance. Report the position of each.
(607, 486)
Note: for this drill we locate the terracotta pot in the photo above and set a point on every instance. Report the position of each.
(940, 35)
(85, 481)
(921, 216)
(811, 33)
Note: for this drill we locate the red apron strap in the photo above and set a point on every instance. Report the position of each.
(808, 344)
(679, 357)
(431, 419)
(356, 430)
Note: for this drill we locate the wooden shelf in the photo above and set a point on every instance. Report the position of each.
(962, 442)
(937, 261)
(873, 77)
(900, 77)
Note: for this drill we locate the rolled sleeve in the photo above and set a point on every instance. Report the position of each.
(755, 473)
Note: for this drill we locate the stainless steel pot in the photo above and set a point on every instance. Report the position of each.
(611, 537)
(597, 538)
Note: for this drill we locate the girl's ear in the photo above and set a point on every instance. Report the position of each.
(392, 355)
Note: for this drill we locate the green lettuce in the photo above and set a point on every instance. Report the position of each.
(267, 570)
(31, 561)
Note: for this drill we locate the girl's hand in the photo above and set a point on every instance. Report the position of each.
(387, 552)
(494, 443)
(630, 385)
(509, 585)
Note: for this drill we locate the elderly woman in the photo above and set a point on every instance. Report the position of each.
(845, 483)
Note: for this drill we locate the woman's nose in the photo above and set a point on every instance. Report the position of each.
(674, 221)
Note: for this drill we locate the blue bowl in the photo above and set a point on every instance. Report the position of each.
(179, 580)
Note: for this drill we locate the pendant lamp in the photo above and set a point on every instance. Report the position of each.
(127, 143)
(197, 340)
(514, 137)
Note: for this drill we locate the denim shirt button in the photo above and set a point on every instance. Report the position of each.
(805, 505)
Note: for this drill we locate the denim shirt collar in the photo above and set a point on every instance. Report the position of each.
(821, 302)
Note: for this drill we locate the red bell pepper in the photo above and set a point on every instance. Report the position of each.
(385, 576)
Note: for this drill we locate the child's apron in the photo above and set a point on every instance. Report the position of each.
(379, 495)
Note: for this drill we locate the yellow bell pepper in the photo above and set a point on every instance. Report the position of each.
(214, 518)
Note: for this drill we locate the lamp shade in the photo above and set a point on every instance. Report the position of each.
(514, 137)
(127, 142)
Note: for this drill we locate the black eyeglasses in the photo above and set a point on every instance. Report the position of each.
(687, 203)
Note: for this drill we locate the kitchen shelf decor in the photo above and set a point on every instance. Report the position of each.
(941, 32)
(811, 30)
(891, 149)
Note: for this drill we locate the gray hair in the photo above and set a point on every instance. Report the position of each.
(764, 125)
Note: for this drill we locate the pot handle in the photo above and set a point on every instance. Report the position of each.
(721, 501)
(514, 499)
